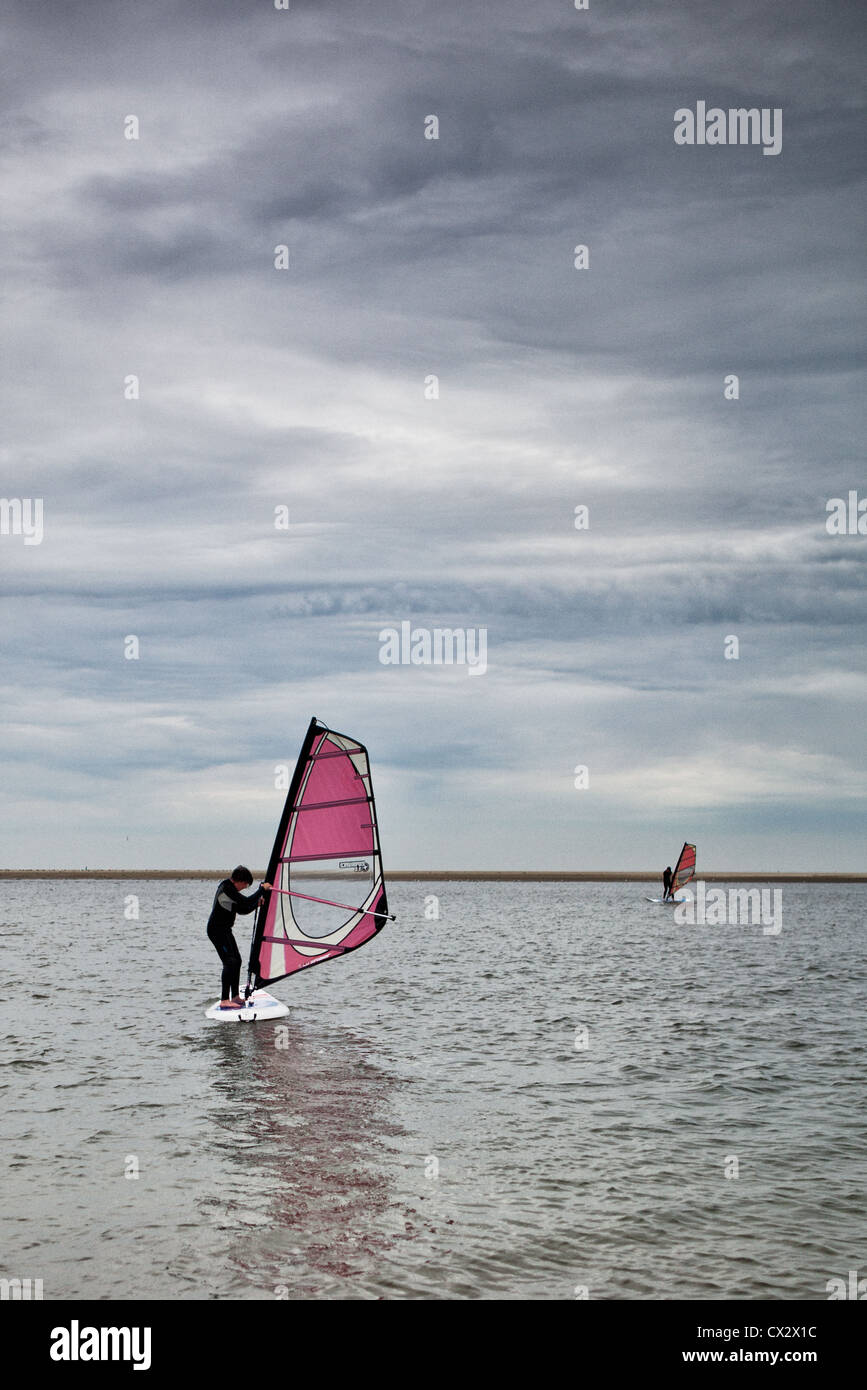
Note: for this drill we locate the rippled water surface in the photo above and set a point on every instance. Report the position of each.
(429, 1127)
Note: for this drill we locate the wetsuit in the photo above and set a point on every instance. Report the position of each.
(666, 883)
(227, 903)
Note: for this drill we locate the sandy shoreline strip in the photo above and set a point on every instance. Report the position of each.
(454, 875)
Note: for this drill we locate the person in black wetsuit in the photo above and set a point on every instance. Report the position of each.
(228, 902)
(666, 884)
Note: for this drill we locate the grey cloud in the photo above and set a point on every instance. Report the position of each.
(557, 387)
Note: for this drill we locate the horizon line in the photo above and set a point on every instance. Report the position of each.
(462, 875)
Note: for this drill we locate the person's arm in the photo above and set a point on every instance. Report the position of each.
(243, 905)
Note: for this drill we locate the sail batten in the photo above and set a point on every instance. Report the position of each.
(329, 815)
(326, 805)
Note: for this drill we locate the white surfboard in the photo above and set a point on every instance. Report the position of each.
(260, 1006)
(667, 902)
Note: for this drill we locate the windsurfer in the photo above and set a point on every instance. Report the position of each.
(666, 884)
(228, 902)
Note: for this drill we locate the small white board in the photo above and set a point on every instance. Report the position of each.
(260, 1006)
(667, 902)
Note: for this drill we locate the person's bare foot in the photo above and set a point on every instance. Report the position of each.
(231, 1004)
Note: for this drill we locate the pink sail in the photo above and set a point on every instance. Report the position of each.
(328, 894)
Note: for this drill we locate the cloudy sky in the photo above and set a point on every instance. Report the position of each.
(305, 388)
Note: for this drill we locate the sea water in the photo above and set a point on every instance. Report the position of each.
(546, 1091)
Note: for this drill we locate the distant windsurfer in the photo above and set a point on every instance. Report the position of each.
(228, 902)
(666, 885)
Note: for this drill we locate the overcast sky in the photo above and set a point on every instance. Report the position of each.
(558, 387)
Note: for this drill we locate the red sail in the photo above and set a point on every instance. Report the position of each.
(328, 827)
(684, 869)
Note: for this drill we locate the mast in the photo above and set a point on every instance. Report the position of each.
(279, 841)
